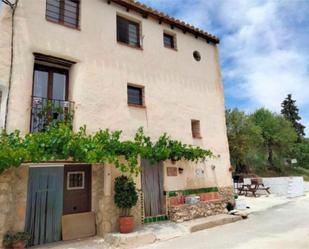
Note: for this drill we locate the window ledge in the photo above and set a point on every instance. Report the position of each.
(197, 137)
(174, 49)
(130, 46)
(63, 24)
(137, 106)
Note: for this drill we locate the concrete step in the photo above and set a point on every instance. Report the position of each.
(149, 234)
(209, 222)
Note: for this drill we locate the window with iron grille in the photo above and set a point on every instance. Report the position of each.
(128, 32)
(169, 41)
(76, 180)
(196, 129)
(65, 12)
(135, 95)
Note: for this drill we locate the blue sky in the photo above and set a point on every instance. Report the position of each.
(264, 49)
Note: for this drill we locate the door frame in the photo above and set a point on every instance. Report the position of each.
(163, 197)
(86, 180)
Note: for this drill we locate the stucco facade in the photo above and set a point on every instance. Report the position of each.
(177, 88)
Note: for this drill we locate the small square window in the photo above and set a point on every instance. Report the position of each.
(196, 129)
(65, 12)
(76, 180)
(169, 41)
(128, 32)
(135, 95)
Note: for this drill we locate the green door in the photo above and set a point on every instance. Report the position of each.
(44, 205)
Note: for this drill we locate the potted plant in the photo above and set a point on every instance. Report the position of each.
(17, 240)
(125, 198)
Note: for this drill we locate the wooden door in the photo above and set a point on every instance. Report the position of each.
(44, 205)
(152, 186)
(77, 189)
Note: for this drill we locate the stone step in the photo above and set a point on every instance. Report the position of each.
(149, 234)
(211, 221)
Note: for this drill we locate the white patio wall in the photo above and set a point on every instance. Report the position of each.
(283, 186)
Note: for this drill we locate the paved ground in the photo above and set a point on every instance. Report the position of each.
(282, 227)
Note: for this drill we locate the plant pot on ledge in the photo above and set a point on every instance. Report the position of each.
(125, 198)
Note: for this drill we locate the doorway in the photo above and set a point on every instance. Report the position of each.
(49, 96)
(152, 186)
(54, 191)
(77, 189)
(44, 205)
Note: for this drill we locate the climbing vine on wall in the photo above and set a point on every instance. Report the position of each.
(61, 143)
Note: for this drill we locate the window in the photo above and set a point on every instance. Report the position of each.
(128, 32)
(196, 129)
(169, 41)
(49, 96)
(76, 180)
(135, 95)
(65, 12)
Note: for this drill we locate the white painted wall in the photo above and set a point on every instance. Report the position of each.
(283, 186)
(177, 88)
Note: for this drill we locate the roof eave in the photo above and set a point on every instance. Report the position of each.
(162, 17)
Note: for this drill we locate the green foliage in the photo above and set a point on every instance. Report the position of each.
(277, 133)
(125, 194)
(61, 143)
(290, 112)
(260, 140)
(300, 151)
(244, 138)
(10, 238)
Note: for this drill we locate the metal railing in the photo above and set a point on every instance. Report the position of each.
(46, 112)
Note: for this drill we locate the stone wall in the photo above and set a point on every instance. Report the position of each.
(13, 198)
(107, 213)
(227, 194)
(192, 211)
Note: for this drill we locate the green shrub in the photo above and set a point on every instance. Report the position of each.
(10, 237)
(125, 194)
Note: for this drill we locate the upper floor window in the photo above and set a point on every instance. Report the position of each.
(169, 41)
(196, 129)
(128, 32)
(65, 12)
(135, 95)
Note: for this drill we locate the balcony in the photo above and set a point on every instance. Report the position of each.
(46, 112)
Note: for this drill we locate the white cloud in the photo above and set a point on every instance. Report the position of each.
(264, 47)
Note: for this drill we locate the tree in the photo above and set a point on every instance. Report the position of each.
(278, 134)
(300, 151)
(244, 136)
(290, 112)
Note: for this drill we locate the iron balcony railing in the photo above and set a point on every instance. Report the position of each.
(45, 112)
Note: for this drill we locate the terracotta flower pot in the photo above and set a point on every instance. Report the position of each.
(19, 245)
(126, 224)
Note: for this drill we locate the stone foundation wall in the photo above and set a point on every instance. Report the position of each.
(107, 213)
(227, 194)
(13, 198)
(192, 211)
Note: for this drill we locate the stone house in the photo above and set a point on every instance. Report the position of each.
(119, 65)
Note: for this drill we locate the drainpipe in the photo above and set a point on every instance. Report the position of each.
(13, 7)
